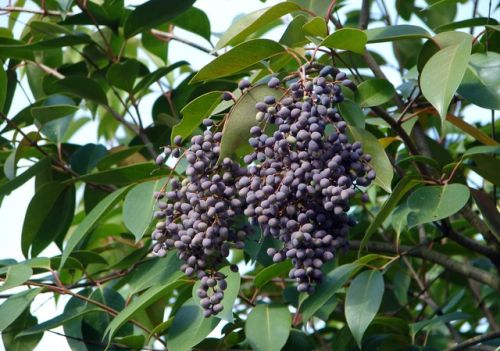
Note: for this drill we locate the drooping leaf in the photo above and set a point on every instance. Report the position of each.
(346, 39)
(432, 203)
(48, 217)
(15, 305)
(391, 33)
(252, 22)
(194, 113)
(267, 327)
(138, 207)
(126, 174)
(362, 302)
(442, 75)
(374, 92)
(481, 82)
(430, 323)
(380, 161)
(238, 58)
(90, 221)
(352, 114)
(152, 13)
(189, 327)
(241, 118)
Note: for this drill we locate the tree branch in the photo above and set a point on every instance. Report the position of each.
(453, 265)
(34, 11)
(474, 341)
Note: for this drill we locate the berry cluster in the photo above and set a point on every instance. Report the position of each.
(296, 185)
(198, 217)
(302, 176)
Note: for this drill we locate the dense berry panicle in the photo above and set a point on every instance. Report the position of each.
(197, 217)
(302, 176)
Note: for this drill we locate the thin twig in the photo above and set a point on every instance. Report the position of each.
(34, 11)
(165, 36)
(474, 341)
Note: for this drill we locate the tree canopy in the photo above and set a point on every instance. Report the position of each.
(389, 240)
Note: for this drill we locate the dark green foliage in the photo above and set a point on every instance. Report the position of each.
(121, 141)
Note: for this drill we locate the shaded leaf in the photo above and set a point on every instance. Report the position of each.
(267, 327)
(12, 341)
(195, 21)
(3, 86)
(241, 118)
(16, 275)
(488, 210)
(82, 87)
(432, 203)
(126, 175)
(189, 327)
(270, 272)
(294, 34)
(49, 113)
(15, 305)
(86, 157)
(352, 114)
(123, 74)
(22, 178)
(362, 302)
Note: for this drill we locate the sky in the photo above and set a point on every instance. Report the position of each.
(221, 14)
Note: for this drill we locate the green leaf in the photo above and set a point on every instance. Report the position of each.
(145, 300)
(481, 82)
(126, 174)
(15, 305)
(267, 327)
(86, 157)
(318, 8)
(380, 161)
(252, 22)
(60, 320)
(194, 113)
(83, 88)
(442, 75)
(12, 341)
(391, 33)
(230, 294)
(90, 221)
(45, 114)
(3, 86)
(362, 302)
(471, 22)
(270, 272)
(139, 205)
(16, 275)
(404, 185)
(294, 34)
(238, 58)
(152, 13)
(487, 167)
(195, 21)
(16, 182)
(153, 271)
(374, 92)
(48, 217)
(316, 27)
(156, 76)
(401, 282)
(352, 114)
(431, 323)
(116, 155)
(241, 118)
(346, 39)
(123, 74)
(189, 327)
(432, 203)
(325, 291)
